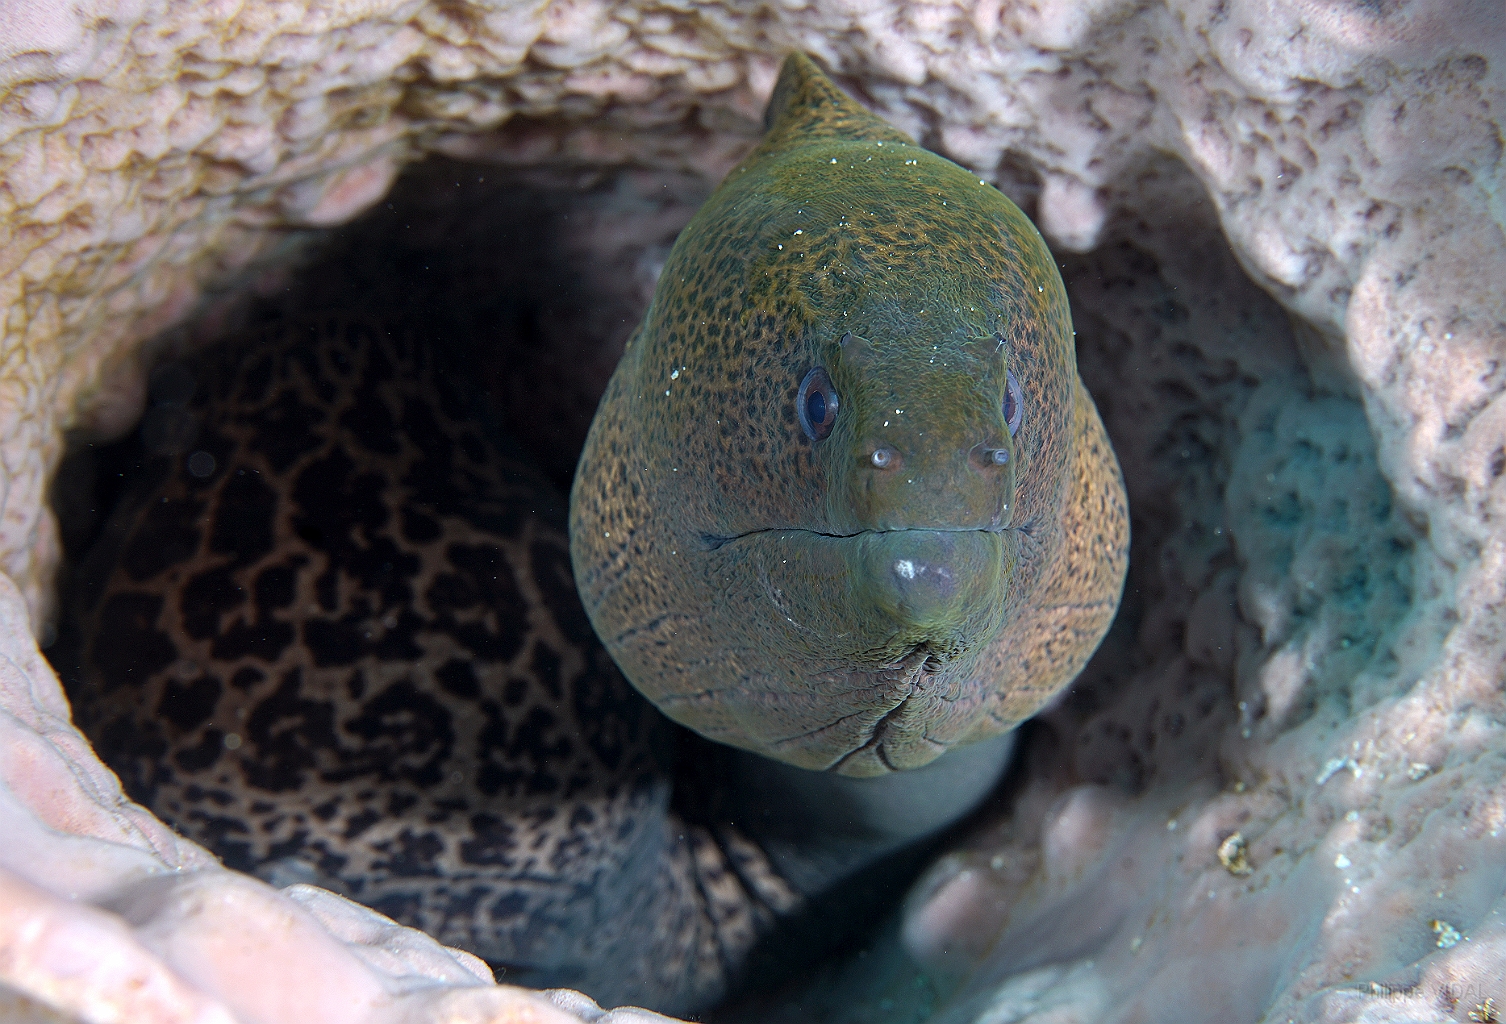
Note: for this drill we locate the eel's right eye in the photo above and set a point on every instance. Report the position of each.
(817, 403)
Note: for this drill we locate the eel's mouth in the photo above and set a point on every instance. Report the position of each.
(715, 541)
(894, 590)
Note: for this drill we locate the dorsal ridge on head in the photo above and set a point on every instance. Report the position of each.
(807, 105)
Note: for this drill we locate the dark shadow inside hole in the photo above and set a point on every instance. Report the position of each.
(536, 278)
(530, 280)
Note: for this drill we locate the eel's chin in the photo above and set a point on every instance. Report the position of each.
(865, 644)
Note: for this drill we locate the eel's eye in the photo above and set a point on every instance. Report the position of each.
(1014, 404)
(817, 404)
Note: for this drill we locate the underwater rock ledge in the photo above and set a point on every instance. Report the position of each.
(1279, 792)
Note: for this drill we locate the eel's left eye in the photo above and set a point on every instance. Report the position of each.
(1014, 404)
(817, 404)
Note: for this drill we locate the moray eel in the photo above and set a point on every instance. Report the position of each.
(846, 503)
(845, 506)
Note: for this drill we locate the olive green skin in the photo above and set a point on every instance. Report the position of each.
(760, 587)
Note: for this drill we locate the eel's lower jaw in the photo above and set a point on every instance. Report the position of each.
(855, 741)
(885, 750)
(872, 747)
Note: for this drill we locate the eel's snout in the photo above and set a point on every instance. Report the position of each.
(928, 583)
(926, 587)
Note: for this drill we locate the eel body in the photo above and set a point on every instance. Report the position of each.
(336, 641)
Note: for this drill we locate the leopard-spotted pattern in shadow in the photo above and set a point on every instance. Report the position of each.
(338, 641)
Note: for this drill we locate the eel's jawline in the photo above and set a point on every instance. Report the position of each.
(713, 541)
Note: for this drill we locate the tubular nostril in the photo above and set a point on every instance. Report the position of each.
(986, 457)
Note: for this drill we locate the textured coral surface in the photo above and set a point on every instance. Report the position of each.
(1280, 790)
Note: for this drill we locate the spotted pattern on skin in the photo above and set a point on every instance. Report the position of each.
(352, 654)
(743, 573)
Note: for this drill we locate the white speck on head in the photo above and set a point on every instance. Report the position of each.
(905, 568)
(799, 231)
(1341, 862)
(675, 375)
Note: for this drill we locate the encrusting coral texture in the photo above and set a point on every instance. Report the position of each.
(1279, 791)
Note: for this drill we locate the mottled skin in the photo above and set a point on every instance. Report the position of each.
(352, 654)
(787, 596)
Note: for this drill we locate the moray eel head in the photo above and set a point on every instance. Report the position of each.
(833, 471)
